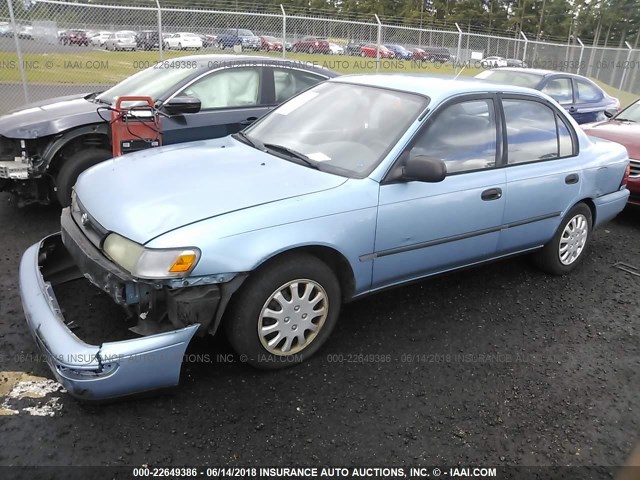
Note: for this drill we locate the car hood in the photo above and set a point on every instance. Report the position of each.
(151, 192)
(49, 117)
(626, 133)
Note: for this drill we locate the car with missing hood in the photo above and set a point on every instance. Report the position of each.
(358, 184)
(45, 146)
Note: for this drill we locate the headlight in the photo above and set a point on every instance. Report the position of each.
(150, 263)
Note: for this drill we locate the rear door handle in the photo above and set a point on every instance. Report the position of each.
(248, 121)
(491, 194)
(571, 179)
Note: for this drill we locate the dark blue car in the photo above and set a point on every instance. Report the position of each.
(583, 99)
(400, 52)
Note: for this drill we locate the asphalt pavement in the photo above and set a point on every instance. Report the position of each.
(497, 365)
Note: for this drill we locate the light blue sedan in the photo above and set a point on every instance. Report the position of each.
(356, 185)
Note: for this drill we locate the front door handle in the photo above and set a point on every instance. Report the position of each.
(571, 179)
(248, 121)
(491, 194)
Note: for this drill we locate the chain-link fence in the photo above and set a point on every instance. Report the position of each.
(51, 48)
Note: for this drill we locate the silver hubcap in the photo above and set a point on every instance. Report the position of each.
(573, 239)
(292, 317)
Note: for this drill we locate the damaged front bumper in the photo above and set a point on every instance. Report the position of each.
(92, 372)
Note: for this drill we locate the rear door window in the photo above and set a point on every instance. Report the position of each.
(586, 92)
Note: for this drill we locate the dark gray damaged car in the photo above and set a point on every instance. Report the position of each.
(45, 146)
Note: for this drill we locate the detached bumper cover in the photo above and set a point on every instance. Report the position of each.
(94, 372)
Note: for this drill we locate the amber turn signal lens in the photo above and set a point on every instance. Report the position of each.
(183, 263)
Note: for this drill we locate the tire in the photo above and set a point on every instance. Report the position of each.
(294, 49)
(244, 316)
(180, 46)
(362, 54)
(573, 236)
(73, 167)
(310, 51)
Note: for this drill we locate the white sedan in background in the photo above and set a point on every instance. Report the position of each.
(335, 49)
(183, 41)
(99, 38)
(493, 62)
(123, 40)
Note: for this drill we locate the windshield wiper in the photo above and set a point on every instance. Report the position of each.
(244, 138)
(624, 119)
(93, 97)
(292, 153)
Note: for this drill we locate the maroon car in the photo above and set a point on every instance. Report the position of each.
(312, 45)
(624, 128)
(419, 54)
(271, 44)
(75, 37)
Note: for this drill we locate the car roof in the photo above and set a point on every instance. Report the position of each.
(436, 87)
(537, 71)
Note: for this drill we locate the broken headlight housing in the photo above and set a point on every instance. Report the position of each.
(150, 263)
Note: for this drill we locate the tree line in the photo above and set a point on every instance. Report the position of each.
(601, 22)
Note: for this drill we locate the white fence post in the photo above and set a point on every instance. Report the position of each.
(459, 42)
(581, 52)
(23, 75)
(526, 42)
(379, 42)
(626, 65)
(160, 42)
(284, 32)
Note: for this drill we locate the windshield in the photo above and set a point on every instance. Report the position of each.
(344, 128)
(519, 79)
(152, 82)
(245, 33)
(632, 112)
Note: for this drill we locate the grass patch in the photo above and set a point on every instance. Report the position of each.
(101, 67)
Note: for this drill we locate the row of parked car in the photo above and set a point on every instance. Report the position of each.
(357, 184)
(149, 39)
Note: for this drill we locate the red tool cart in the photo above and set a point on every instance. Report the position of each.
(135, 125)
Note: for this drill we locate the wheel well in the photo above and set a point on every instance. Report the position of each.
(334, 259)
(592, 206)
(90, 140)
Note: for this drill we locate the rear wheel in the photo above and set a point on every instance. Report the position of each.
(73, 167)
(566, 249)
(284, 312)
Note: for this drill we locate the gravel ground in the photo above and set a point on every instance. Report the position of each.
(499, 365)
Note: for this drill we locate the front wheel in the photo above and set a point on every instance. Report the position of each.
(284, 312)
(73, 167)
(566, 249)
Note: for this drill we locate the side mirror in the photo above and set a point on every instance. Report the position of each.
(185, 104)
(610, 112)
(424, 169)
